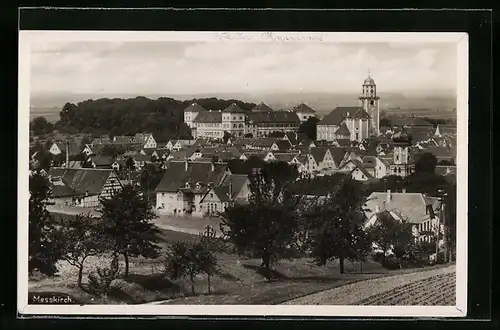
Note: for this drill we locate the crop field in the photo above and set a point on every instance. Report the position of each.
(433, 291)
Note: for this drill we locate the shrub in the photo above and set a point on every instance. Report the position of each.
(101, 279)
(378, 256)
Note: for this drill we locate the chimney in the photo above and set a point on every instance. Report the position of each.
(388, 198)
(213, 166)
(67, 154)
(377, 208)
(186, 165)
(230, 189)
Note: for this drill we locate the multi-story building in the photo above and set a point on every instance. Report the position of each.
(259, 122)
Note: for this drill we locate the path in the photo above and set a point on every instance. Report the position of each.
(353, 294)
(183, 224)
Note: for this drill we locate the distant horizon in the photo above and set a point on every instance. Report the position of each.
(215, 67)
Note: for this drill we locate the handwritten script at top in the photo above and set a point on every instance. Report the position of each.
(268, 35)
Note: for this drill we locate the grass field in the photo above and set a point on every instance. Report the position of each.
(238, 281)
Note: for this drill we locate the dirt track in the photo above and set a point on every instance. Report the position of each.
(433, 287)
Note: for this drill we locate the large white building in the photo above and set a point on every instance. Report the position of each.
(259, 122)
(357, 123)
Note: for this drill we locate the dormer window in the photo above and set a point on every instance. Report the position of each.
(198, 186)
(187, 185)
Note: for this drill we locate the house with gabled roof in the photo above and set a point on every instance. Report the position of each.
(234, 189)
(357, 170)
(146, 140)
(356, 119)
(421, 211)
(261, 123)
(82, 187)
(185, 183)
(304, 112)
(264, 143)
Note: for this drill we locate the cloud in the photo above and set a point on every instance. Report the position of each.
(219, 67)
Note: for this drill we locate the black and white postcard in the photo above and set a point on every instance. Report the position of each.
(242, 173)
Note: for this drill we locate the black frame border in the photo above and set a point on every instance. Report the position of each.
(477, 23)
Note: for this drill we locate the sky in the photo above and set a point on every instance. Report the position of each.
(177, 68)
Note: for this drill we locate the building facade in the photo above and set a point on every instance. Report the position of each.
(259, 122)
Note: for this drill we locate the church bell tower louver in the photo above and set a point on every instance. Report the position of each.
(370, 102)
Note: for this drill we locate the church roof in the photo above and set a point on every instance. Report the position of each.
(337, 115)
(369, 81)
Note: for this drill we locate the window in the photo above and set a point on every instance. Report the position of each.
(357, 136)
(234, 118)
(241, 118)
(211, 195)
(305, 117)
(372, 102)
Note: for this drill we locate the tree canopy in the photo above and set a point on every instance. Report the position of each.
(44, 248)
(309, 128)
(162, 117)
(426, 162)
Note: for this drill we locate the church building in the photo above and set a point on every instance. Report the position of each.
(358, 123)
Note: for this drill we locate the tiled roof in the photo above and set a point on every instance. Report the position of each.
(337, 115)
(265, 142)
(176, 176)
(208, 117)
(274, 117)
(303, 108)
(195, 107)
(318, 153)
(338, 154)
(233, 108)
(74, 148)
(344, 142)
(284, 157)
(343, 130)
(82, 180)
(283, 144)
(262, 107)
(292, 137)
(102, 160)
(410, 205)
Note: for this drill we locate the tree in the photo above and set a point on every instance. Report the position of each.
(425, 183)
(267, 225)
(425, 163)
(226, 137)
(126, 218)
(44, 159)
(384, 122)
(44, 250)
(309, 128)
(112, 150)
(335, 225)
(40, 126)
(85, 140)
(389, 234)
(189, 259)
(81, 239)
(248, 135)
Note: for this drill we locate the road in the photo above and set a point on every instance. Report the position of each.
(186, 224)
(377, 290)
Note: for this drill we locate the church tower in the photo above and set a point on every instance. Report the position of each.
(370, 102)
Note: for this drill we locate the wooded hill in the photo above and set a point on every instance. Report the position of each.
(164, 117)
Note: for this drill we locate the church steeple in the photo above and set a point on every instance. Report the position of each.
(370, 103)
